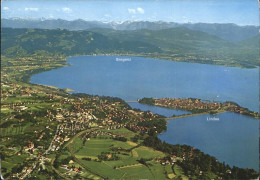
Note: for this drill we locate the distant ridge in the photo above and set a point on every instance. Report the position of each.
(230, 32)
(179, 44)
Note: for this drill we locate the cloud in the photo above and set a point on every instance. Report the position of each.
(31, 9)
(66, 9)
(5, 8)
(185, 19)
(131, 11)
(107, 15)
(51, 16)
(135, 11)
(140, 10)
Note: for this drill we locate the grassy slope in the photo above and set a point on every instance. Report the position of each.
(184, 42)
(127, 166)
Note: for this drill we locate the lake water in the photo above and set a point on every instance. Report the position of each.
(131, 78)
(145, 77)
(158, 110)
(233, 138)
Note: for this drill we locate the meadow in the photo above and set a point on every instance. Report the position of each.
(126, 165)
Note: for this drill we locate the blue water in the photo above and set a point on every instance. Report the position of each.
(145, 77)
(233, 139)
(159, 110)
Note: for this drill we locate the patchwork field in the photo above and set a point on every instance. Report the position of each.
(12, 131)
(122, 159)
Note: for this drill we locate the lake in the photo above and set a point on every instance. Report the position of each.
(145, 77)
(131, 78)
(167, 112)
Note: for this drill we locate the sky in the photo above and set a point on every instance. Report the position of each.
(241, 12)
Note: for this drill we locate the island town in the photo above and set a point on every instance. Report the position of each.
(195, 105)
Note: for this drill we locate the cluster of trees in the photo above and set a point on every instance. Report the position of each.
(99, 114)
(9, 123)
(136, 138)
(112, 100)
(86, 159)
(29, 116)
(144, 160)
(149, 101)
(155, 126)
(194, 111)
(60, 161)
(156, 143)
(120, 138)
(119, 120)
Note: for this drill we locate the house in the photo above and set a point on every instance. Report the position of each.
(59, 117)
(21, 108)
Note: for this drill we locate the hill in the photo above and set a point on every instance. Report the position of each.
(230, 32)
(251, 42)
(66, 42)
(179, 44)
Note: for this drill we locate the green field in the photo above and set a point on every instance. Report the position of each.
(19, 99)
(158, 170)
(123, 131)
(103, 169)
(6, 110)
(139, 172)
(146, 152)
(169, 171)
(94, 147)
(12, 131)
(129, 154)
(179, 172)
(12, 161)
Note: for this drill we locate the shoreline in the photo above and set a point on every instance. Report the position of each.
(167, 58)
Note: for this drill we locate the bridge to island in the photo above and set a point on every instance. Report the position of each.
(131, 101)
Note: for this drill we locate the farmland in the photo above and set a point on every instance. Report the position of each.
(127, 165)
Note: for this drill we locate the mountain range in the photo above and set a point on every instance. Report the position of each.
(229, 32)
(178, 43)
